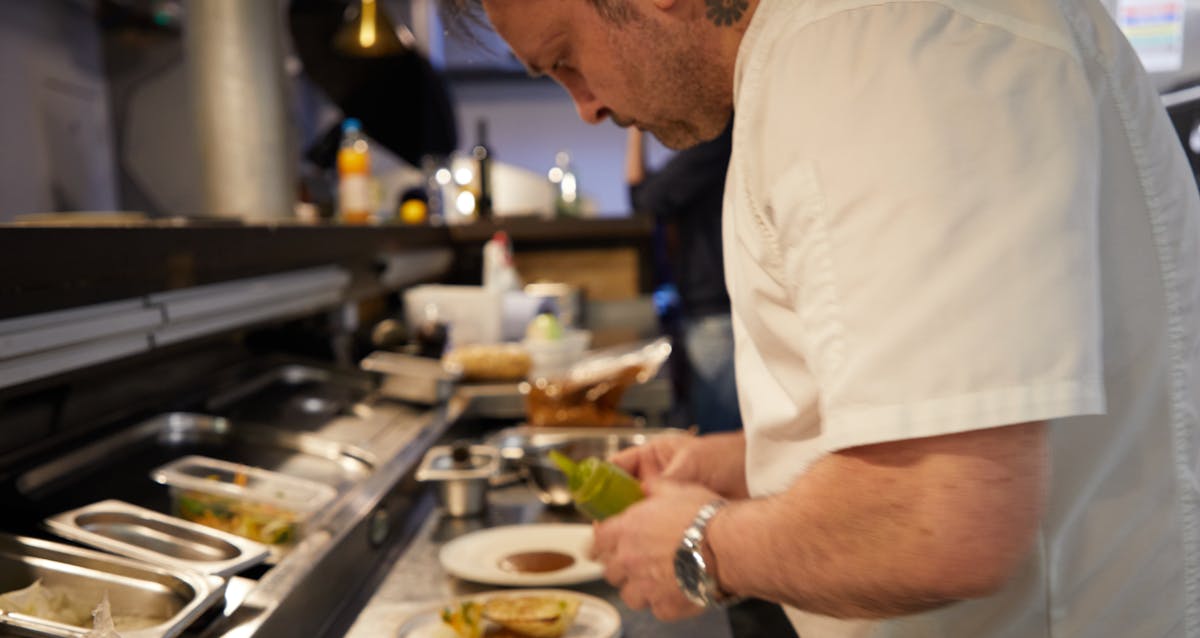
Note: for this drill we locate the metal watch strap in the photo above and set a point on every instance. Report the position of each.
(706, 591)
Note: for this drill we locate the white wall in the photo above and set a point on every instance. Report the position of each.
(159, 146)
(54, 121)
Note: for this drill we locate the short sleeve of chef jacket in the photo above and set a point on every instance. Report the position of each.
(930, 190)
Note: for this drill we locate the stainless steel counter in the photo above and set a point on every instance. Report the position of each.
(378, 540)
(416, 580)
(302, 421)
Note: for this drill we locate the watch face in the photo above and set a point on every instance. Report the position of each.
(689, 574)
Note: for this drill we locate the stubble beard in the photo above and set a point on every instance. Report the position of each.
(687, 102)
(678, 135)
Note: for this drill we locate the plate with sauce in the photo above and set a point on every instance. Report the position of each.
(523, 555)
(596, 618)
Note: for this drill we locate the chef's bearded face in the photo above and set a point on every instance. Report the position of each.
(640, 62)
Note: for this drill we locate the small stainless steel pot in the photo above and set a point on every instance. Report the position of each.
(461, 477)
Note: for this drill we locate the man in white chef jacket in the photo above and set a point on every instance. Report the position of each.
(961, 246)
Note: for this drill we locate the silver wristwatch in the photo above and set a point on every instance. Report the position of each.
(693, 573)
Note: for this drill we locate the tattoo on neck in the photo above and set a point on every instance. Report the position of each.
(724, 13)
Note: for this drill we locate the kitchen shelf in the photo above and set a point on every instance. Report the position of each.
(51, 268)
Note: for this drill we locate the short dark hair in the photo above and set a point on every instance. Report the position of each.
(460, 6)
(617, 11)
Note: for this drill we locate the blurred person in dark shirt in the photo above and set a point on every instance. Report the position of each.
(686, 197)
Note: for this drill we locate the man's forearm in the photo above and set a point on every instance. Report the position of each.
(730, 477)
(891, 529)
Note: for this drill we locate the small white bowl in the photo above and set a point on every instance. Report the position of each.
(552, 357)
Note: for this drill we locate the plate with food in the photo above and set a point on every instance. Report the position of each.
(535, 555)
(533, 613)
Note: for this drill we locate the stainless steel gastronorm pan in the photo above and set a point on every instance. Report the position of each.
(136, 532)
(295, 397)
(179, 597)
(411, 378)
(118, 467)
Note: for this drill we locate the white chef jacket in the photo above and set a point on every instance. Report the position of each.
(948, 215)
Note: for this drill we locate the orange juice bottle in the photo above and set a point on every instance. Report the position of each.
(354, 174)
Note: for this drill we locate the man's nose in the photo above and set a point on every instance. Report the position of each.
(591, 109)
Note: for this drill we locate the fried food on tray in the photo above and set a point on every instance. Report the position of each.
(489, 362)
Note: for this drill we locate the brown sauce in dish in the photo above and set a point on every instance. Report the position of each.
(536, 562)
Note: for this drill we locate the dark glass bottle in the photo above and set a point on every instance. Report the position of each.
(432, 334)
(483, 156)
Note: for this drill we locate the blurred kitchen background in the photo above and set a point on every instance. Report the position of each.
(97, 112)
(178, 276)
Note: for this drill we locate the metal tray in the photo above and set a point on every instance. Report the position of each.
(118, 467)
(179, 597)
(410, 378)
(136, 532)
(298, 397)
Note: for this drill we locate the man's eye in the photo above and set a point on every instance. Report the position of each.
(559, 65)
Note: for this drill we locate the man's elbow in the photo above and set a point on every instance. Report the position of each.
(934, 588)
(977, 571)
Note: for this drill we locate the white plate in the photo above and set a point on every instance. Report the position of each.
(476, 556)
(596, 619)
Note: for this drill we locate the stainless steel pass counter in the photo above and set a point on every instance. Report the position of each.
(417, 581)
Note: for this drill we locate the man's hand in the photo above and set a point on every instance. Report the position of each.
(646, 462)
(716, 461)
(638, 547)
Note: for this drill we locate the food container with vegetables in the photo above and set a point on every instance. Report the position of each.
(264, 506)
